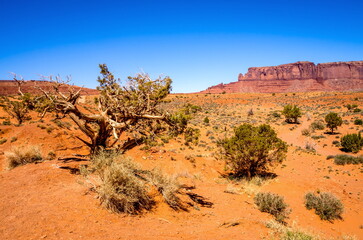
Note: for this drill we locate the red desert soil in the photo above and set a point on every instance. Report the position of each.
(49, 200)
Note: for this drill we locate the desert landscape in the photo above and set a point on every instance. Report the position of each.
(53, 197)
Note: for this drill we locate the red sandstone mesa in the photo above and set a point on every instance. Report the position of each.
(297, 77)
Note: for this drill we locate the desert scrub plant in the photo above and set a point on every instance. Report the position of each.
(3, 140)
(191, 135)
(284, 232)
(358, 122)
(343, 159)
(291, 113)
(121, 191)
(326, 205)
(333, 121)
(305, 132)
(23, 155)
(124, 187)
(317, 125)
(272, 204)
(352, 142)
(252, 150)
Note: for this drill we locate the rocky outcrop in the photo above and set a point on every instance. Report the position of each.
(9, 87)
(297, 77)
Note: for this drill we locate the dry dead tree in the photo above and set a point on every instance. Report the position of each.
(130, 108)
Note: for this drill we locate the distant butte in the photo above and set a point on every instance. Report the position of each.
(9, 87)
(297, 77)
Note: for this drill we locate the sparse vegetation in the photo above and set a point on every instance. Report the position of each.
(326, 205)
(272, 204)
(253, 150)
(343, 159)
(125, 188)
(23, 155)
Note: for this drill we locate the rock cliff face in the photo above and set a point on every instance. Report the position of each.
(297, 77)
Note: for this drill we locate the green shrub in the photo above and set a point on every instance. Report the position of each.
(291, 113)
(358, 122)
(333, 121)
(3, 140)
(252, 150)
(343, 159)
(272, 204)
(352, 142)
(206, 120)
(326, 205)
(23, 155)
(357, 110)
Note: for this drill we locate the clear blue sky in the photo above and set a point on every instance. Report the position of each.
(196, 43)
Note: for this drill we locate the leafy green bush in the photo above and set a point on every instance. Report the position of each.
(252, 150)
(333, 121)
(352, 142)
(272, 204)
(343, 159)
(291, 113)
(326, 205)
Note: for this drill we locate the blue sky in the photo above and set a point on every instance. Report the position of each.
(196, 43)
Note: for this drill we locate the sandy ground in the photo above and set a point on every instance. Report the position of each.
(49, 200)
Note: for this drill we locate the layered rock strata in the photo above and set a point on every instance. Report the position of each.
(297, 77)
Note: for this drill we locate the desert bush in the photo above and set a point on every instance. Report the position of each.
(291, 113)
(206, 120)
(317, 125)
(296, 235)
(3, 140)
(333, 121)
(272, 204)
(253, 150)
(343, 159)
(276, 114)
(191, 135)
(17, 109)
(357, 110)
(168, 187)
(326, 205)
(126, 188)
(23, 155)
(352, 142)
(121, 191)
(358, 122)
(305, 132)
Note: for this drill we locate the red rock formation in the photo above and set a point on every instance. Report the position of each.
(297, 77)
(9, 87)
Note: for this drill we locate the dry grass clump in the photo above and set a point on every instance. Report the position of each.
(272, 204)
(122, 191)
(23, 155)
(168, 187)
(326, 205)
(287, 233)
(125, 188)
